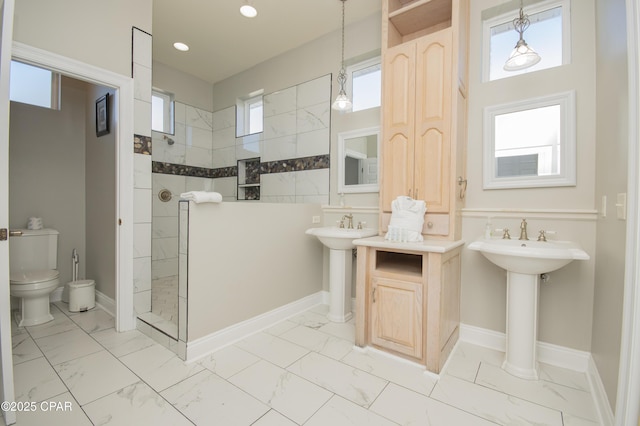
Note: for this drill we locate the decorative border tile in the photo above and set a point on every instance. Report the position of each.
(296, 164)
(142, 144)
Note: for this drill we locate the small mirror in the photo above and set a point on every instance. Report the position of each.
(530, 143)
(358, 160)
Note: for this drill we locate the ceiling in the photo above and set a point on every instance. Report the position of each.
(223, 42)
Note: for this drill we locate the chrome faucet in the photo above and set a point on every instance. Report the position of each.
(523, 230)
(350, 217)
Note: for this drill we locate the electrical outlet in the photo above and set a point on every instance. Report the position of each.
(315, 219)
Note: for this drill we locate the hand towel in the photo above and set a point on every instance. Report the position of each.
(407, 214)
(202, 197)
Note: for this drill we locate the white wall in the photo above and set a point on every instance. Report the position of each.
(611, 179)
(100, 189)
(90, 31)
(241, 271)
(565, 303)
(47, 170)
(187, 89)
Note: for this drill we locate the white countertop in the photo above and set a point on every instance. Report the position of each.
(433, 246)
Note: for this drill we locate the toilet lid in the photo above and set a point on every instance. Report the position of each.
(33, 276)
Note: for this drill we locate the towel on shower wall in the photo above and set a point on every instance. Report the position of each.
(407, 214)
(202, 196)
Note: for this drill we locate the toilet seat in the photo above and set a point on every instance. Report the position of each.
(35, 278)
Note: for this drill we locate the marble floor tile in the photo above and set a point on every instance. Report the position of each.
(94, 376)
(310, 319)
(348, 382)
(60, 324)
(94, 320)
(406, 407)
(399, 371)
(343, 330)
(36, 380)
(120, 344)
(60, 410)
(562, 376)
(68, 345)
(24, 348)
(281, 327)
(317, 341)
(492, 405)
(228, 361)
(136, 404)
(465, 360)
(159, 367)
(294, 397)
(559, 397)
(207, 399)
(272, 348)
(273, 418)
(340, 412)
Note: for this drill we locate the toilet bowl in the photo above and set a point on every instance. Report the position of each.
(33, 288)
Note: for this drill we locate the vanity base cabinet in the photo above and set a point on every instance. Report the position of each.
(408, 301)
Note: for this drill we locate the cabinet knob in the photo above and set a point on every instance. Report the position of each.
(429, 225)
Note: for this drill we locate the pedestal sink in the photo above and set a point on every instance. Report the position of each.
(340, 244)
(524, 261)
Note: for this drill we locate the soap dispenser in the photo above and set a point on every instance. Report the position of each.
(487, 229)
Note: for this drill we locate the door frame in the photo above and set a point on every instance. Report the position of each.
(123, 119)
(627, 411)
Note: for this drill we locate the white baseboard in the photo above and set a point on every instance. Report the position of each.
(106, 303)
(214, 341)
(548, 353)
(599, 394)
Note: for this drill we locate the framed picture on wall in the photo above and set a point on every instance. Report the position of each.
(102, 115)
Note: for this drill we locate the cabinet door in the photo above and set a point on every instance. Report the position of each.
(396, 316)
(433, 121)
(398, 127)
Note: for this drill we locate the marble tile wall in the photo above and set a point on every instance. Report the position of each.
(141, 66)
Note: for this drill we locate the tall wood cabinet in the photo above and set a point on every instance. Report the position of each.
(408, 294)
(424, 109)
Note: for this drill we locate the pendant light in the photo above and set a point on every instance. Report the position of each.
(342, 102)
(522, 56)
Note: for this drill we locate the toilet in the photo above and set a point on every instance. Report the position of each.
(33, 258)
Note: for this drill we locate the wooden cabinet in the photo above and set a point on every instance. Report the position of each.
(424, 108)
(407, 298)
(417, 122)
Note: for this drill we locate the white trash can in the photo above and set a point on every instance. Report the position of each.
(82, 295)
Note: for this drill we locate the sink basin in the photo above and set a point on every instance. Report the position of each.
(340, 238)
(524, 261)
(529, 257)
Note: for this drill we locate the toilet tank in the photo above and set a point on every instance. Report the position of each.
(34, 249)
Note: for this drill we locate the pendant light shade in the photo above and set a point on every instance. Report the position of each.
(522, 56)
(342, 102)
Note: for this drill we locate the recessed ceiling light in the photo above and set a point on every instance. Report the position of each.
(181, 46)
(248, 11)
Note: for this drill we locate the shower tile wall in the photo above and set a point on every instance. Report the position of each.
(141, 66)
(191, 145)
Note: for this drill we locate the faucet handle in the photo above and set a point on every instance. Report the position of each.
(505, 235)
(340, 223)
(361, 224)
(542, 235)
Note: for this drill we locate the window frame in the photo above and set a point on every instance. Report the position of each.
(168, 111)
(351, 69)
(532, 9)
(55, 97)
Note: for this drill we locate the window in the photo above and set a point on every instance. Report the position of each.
(531, 143)
(162, 112)
(34, 86)
(365, 84)
(249, 115)
(548, 34)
